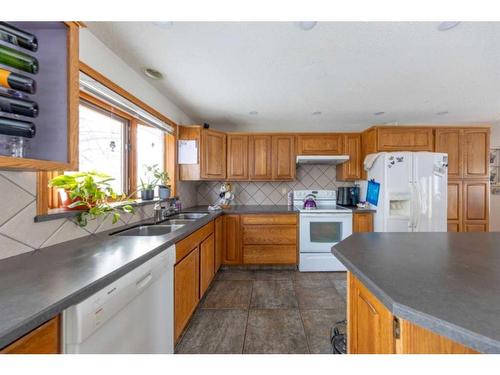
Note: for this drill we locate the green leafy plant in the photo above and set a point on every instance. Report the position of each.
(92, 192)
(162, 177)
(149, 182)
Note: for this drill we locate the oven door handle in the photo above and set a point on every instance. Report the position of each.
(330, 217)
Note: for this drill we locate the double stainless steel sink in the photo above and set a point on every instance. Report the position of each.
(169, 225)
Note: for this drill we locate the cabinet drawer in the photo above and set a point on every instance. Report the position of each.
(270, 254)
(269, 219)
(42, 340)
(269, 234)
(184, 247)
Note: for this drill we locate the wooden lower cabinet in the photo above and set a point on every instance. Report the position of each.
(468, 205)
(186, 290)
(372, 329)
(269, 239)
(207, 263)
(220, 242)
(362, 222)
(232, 251)
(42, 340)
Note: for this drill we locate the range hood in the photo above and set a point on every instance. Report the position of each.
(322, 159)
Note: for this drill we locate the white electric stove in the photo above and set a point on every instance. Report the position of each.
(321, 228)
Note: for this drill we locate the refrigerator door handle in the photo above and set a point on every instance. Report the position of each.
(418, 204)
(412, 206)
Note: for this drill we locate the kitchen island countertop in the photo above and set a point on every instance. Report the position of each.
(448, 283)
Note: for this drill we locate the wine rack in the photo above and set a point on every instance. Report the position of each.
(39, 95)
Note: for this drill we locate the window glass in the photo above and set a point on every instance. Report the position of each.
(102, 144)
(150, 149)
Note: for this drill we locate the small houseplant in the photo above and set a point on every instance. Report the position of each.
(92, 193)
(148, 182)
(163, 183)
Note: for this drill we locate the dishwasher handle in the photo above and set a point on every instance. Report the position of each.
(144, 281)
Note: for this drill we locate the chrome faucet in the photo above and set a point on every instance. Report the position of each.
(162, 212)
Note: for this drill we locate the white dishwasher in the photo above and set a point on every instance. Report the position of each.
(134, 314)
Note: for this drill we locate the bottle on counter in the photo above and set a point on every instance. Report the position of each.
(18, 37)
(16, 81)
(18, 60)
(290, 198)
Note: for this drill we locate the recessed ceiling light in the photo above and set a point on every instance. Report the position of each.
(306, 25)
(443, 26)
(253, 113)
(316, 113)
(441, 113)
(379, 113)
(153, 73)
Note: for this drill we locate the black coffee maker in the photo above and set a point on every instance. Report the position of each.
(348, 196)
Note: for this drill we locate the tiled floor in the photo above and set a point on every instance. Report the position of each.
(267, 311)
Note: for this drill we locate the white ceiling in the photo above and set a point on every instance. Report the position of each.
(218, 72)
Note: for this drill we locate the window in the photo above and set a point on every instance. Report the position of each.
(102, 141)
(150, 149)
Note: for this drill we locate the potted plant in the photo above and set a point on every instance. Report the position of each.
(148, 183)
(91, 193)
(163, 186)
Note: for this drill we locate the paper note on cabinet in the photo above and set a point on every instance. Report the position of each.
(188, 152)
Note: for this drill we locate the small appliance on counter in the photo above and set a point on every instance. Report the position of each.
(348, 196)
(310, 202)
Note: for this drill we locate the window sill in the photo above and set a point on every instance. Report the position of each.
(62, 213)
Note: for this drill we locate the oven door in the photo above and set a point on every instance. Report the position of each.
(320, 231)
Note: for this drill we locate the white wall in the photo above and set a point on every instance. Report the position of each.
(96, 54)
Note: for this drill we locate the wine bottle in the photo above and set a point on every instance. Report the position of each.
(17, 81)
(17, 128)
(18, 106)
(18, 37)
(18, 60)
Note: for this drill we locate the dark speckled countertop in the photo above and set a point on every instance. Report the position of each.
(448, 283)
(36, 286)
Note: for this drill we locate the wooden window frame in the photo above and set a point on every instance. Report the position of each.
(48, 199)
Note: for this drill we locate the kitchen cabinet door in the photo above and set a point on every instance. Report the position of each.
(220, 242)
(187, 290)
(207, 263)
(476, 153)
(351, 169)
(42, 340)
(368, 146)
(283, 155)
(405, 139)
(362, 222)
(319, 144)
(213, 155)
(260, 157)
(237, 157)
(454, 205)
(232, 253)
(369, 322)
(476, 200)
(449, 141)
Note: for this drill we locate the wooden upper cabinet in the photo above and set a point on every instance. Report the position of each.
(283, 157)
(449, 141)
(368, 146)
(213, 155)
(476, 153)
(319, 144)
(351, 169)
(232, 251)
(405, 138)
(237, 157)
(42, 340)
(260, 157)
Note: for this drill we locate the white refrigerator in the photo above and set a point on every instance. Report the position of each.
(413, 191)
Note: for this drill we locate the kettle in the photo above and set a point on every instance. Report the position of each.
(309, 202)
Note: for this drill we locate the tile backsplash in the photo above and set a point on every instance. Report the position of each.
(274, 193)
